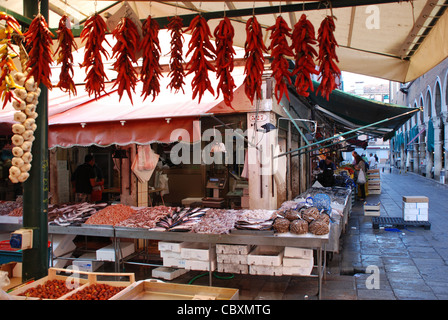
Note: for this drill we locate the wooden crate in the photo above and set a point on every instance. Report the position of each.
(151, 290)
(91, 278)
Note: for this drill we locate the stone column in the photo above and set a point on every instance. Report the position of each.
(437, 149)
(444, 116)
(429, 158)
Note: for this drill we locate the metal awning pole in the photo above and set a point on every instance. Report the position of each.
(35, 189)
(345, 133)
(297, 127)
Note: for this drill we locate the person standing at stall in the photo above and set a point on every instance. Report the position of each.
(84, 179)
(326, 178)
(361, 178)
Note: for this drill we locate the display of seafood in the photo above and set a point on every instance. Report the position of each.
(258, 219)
(111, 215)
(217, 221)
(181, 219)
(146, 217)
(6, 207)
(72, 214)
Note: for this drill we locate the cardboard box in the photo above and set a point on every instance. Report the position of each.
(415, 199)
(108, 253)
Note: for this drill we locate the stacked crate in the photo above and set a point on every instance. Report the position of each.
(266, 260)
(170, 253)
(372, 209)
(199, 256)
(297, 261)
(232, 258)
(374, 181)
(415, 208)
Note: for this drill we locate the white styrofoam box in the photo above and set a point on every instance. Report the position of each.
(422, 205)
(200, 265)
(170, 246)
(87, 262)
(298, 262)
(266, 270)
(422, 217)
(170, 254)
(232, 258)
(297, 271)
(174, 262)
(167, 273)
(409, 205)
(408, 211)
(233, 268)
(198, 251)
(410, 217)
(266, 255)
(293, 252)
(233, 248)
(108, 253)
(63, 243)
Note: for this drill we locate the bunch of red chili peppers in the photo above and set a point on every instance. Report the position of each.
(94, 34)
(64, 54)
(327, 56)
(39, 39)
(151, 69)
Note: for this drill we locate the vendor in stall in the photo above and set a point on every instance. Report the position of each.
(326, 177)
(84, 179)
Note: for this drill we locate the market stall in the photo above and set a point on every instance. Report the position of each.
(263, 87)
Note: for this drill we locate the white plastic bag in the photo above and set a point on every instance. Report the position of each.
(147, 158)
(4, 281)
(361, 177)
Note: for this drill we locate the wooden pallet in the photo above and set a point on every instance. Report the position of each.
(399, 223)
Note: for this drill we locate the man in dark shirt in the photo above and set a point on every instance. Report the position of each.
(84, 179)
(326, 178)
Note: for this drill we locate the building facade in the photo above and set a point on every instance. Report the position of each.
(420, 145)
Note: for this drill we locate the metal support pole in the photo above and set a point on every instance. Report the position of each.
(35, 189)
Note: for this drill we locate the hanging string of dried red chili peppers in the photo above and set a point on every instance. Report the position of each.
(224, 34)
(177, 72)
(202, 49)
(280, 32)
(303, 39)
(151, 69)
(327, 56)
(64, 54)
(7, 83)
(94, 35)
(39, 40)
(254, 49)
(128, 40)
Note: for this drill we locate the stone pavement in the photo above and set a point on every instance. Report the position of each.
(412, 262)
